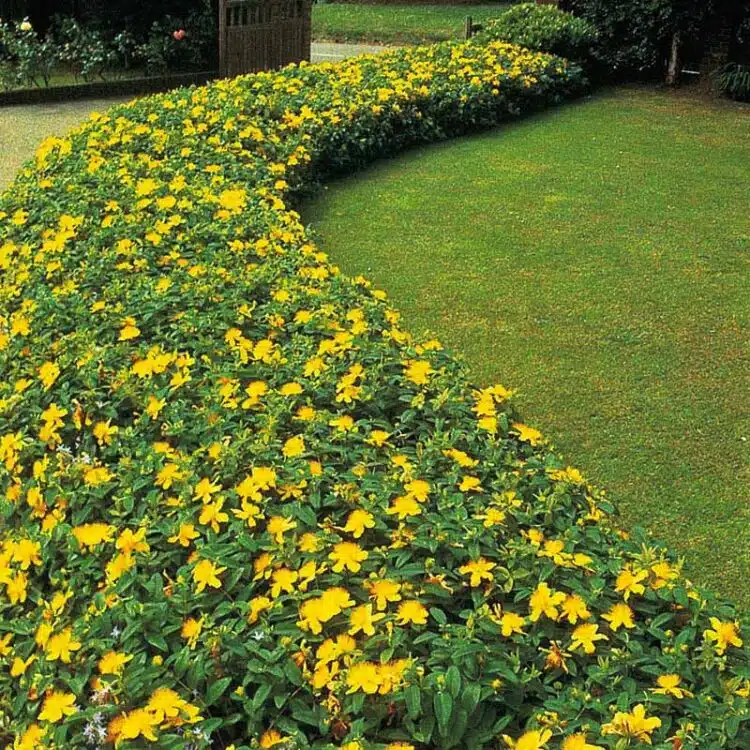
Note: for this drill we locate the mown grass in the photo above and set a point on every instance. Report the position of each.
(397, 24)
(597, 259)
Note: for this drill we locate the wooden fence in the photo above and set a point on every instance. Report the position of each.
(262, 34)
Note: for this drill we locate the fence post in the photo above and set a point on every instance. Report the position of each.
(468, 28)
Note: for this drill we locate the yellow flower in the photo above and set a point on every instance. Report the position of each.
(271, 738)
(536, 739)
(129, 331)
(258, 605)
(294, 446)
(545, 601)
(578, 742)
(574, 609)
(49, 372)
(154, 406)
(358, 521)
(113, 662)
(233, 200)
(31, 739)
(669, 685)
(404, 506)
(168, 475)
(347, 555)
(629, 582)
(96, 476)
(277, 525)
(511, 623)
(128, 542)
(205, 489)
(61, 645)
(634, 725)
(724, 634)
(479, 570)
(283, 579)
(137, 723)
(206, 573)
(26, 552)
(411, 611)
(470, 484)
(586, 635)
(418, 371)
(57, 705)
(528, 434)
(364, 676)
(19, 666)
(191, 630)
(362, 619)
(212, 515)
(383, 591)
(91, 535)
(620, 615)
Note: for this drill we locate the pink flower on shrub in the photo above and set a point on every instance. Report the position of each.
(179, 34)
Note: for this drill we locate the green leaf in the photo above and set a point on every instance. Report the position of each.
(438, 615)
(443, 705)
(453, 680)
(216, 690)
(413, 698)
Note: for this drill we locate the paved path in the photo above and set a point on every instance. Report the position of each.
(23, 127)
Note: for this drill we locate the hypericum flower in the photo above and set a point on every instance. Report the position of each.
(578, 742)
(136, 723)
(184, 535)
(586, 636)
(26, 552)
(629, 582)
(168, 475)
(620, 615)
(364, 676)
(635, 725)
(479, 570)
(511, 623)
(113, 662)
(536, 739)
(206, 573)
(191, 630)
(411, 611)
(277, 525)
(31, 739)
(545, 601)
(19, 666)
(724, 634)
(205, 489)
(555, 657)
(404, 506)
(165, 703)
(129, 542)
(257, 605)
(271, 738)
(294, 446)
(49, 372)
(212, 515)
(98, 475)
(57, 705)
(347, 555)
(383, 591)
(283, 579)
(362, 619)
(358, 521)
(470, 484)
(418, 371)
(669, 685)
(528, 434)
(574, 609)
(61, 645)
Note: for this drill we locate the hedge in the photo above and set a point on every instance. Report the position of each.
(243, 507)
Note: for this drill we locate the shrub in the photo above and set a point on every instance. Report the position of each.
(734, 81)
(242, 506)
(25, 59)
(82, 50)
(544, 28)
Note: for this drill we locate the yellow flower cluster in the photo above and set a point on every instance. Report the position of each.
(238, 499)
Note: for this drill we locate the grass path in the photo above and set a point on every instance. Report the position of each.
(22, 128)
(397, 24)
(597, 259)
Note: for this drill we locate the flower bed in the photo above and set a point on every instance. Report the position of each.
(243, 507)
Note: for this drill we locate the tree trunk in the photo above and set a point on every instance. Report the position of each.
(673, 69)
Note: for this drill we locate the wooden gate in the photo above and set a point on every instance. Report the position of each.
(262, 34)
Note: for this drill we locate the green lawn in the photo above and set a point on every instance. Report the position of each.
(396, 24)
(597, 259)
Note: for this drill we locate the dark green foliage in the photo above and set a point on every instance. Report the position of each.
(544, 28)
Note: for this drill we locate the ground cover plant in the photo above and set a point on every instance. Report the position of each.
(242, 506)
(408, 24)
(618, 313)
